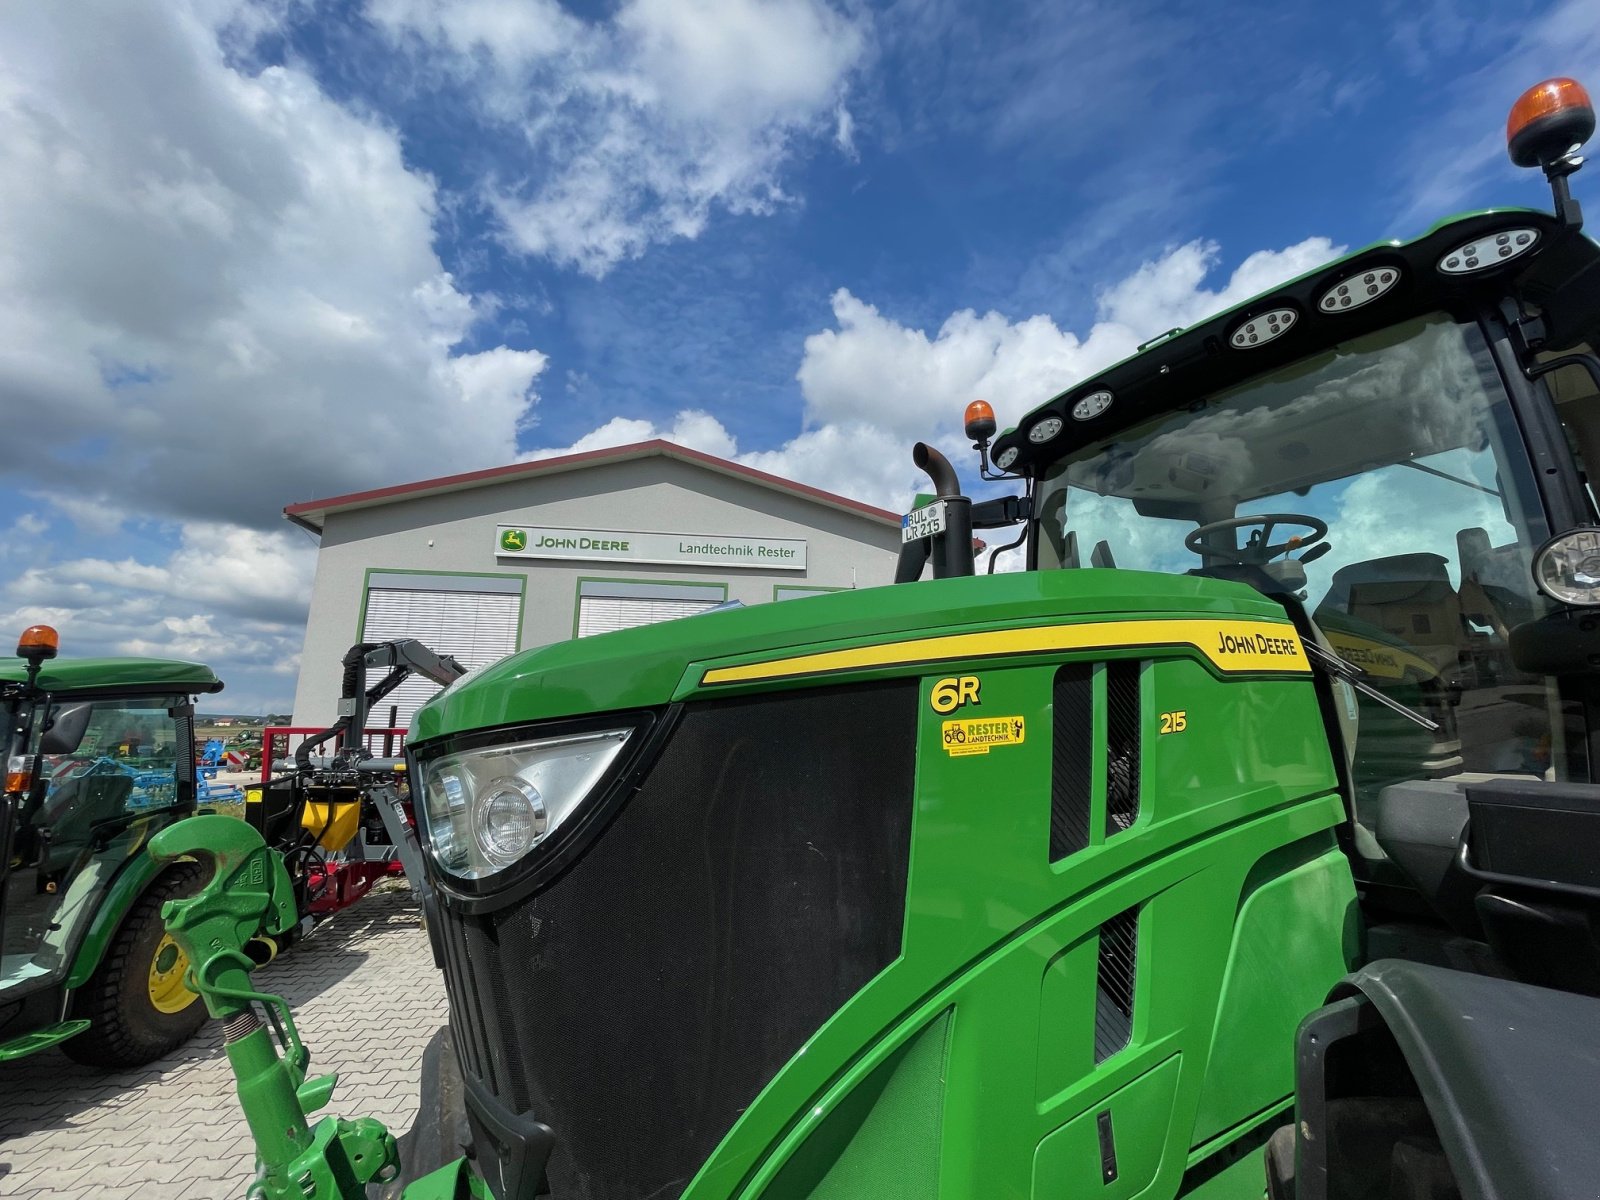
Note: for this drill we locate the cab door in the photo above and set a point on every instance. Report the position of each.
(131, 775)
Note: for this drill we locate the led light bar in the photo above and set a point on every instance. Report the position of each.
(1092, 405)
(1044, 429)
(1361, 288)
(1258, 331)
(1488, 251)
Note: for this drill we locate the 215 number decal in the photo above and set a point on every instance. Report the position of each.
(1175, 722)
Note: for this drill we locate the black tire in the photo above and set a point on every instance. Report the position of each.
(126, 1028)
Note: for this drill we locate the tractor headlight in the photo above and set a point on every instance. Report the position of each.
(489, 807)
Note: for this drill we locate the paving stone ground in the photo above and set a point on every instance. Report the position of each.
(366, 998)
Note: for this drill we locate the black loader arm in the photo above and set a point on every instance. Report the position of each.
(411, 654)
(402, 659)
(1420, 1080)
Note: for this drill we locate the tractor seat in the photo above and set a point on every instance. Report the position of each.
(1409, 597)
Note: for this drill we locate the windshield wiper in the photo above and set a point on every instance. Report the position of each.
(1351, 674)
(1416, 466)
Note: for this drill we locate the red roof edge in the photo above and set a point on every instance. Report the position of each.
(588, 457)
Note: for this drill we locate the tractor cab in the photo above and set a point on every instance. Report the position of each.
(1388, 446)
(1392, 487)
(99, 756)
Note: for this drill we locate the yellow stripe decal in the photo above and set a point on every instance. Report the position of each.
(1228, 645)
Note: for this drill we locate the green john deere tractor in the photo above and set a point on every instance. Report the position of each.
(1249, 841)
(99, 756)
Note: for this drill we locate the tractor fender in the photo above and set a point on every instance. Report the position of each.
(1507, 1071)
(131, 882)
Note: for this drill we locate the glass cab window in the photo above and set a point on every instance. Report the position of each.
(1409, 518)
(90, 820)
(127, 762)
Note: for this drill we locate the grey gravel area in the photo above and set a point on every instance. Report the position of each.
(366, 998)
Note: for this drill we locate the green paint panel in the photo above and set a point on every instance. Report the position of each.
(635, 668)
(40, 1039)
(1068, 1163)
(1296, 936)
(1066, 1012)
(107, 674)
(998, 934)
(130, 882)
(884, 1139)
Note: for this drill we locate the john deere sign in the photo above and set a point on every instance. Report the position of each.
(620, 545)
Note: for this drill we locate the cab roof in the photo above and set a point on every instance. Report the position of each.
(1185, 365)
(122, 675)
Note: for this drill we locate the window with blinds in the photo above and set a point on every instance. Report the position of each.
(475, 619)
(605, 606)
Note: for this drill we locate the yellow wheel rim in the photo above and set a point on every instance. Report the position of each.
(167, 990)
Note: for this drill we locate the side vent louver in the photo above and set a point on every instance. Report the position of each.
(1071, 781)
(1114, 978)
(1122, 745)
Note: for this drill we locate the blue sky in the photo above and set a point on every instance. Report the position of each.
(260, 252)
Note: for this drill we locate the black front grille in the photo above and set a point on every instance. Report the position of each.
(638, 1003)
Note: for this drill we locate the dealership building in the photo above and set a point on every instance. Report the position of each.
(485, 564)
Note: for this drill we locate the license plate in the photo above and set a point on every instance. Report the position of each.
(922, 522)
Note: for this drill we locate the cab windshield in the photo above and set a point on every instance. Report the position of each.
(1401, 446)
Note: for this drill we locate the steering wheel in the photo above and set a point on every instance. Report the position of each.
(1259, 549)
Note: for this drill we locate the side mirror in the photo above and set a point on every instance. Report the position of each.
(67, 724)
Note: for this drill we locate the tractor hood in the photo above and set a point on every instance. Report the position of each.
(677, 660)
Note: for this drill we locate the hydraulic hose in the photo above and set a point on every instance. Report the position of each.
(352, 687)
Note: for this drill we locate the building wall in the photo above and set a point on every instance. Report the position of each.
(456, 532)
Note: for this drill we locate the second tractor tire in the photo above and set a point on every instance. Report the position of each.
(136, 1015)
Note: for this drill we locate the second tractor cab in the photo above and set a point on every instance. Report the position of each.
(99, 757)
(1255, 823)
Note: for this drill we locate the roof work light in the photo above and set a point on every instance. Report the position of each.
(979, 422)
(1548, 123)
(38, 642)
(1547, 127)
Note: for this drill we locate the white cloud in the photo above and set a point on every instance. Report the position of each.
(909, 384)
(692, 428)
(1171, 293)
(228, 596)
(873, 386)
(221, 286)
(634, 129)
(844, 133)
(94, 513)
